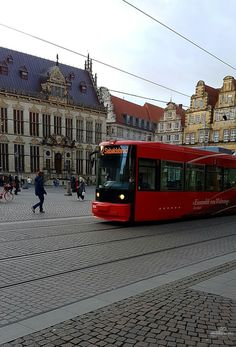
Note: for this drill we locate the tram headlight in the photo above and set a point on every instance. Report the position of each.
(97, 194)
(121, 196)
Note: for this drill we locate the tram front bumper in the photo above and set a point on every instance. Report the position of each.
(111, 211)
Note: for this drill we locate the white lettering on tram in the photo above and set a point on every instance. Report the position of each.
(217, 201)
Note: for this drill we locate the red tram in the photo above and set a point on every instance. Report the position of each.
(150, 181)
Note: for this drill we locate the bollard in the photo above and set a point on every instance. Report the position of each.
(68, 188)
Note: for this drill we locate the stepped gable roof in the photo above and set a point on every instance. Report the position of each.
(37, 72)
(229, 78)
(155, 112)
(213, 95)
(122, 107)
(181, 112)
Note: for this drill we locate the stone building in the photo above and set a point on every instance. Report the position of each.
(199, 117)
(224, 117)
(211, 118)
(130, 121)
(171, 125)
(51, 117)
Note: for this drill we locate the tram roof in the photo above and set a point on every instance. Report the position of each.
(177, 148)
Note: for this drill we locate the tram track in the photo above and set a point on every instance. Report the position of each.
(53, 244)
(79, 244)
(43, 277)
(92, 261)
(23, 234)
(37, 224)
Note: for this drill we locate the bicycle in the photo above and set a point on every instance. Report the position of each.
(6, 193)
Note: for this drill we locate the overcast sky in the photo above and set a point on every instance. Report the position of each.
(113, 32)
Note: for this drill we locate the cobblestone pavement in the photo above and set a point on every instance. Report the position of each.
(172, 315)
(177, 314)
(66, 206)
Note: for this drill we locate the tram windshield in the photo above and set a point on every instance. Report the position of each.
(115, 167)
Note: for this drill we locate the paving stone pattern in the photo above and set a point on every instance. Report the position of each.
(172, 315)
(20, 269)
(27, 299)
(20, 208)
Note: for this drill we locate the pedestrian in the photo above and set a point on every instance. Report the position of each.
(39, 192)
(80, 188)
(29, 180)
(73, 184)
(16, 185)
(9, 180)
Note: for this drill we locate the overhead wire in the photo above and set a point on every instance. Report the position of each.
(139, 96)
(182, 36)
(96, 60)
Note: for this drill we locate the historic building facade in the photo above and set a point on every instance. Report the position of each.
(199, 117)
(211, 118)
(51, 117)
(224, 117)
(171, 125)
(129, 121)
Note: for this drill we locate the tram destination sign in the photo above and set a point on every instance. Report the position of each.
(114, 150)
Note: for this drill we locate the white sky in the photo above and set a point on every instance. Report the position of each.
(115, 33)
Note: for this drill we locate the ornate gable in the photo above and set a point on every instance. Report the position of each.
(19, 140)
(56, 76)
(3, 138)
(55, 88)
(35, 141)
(3, 104)
(34, 109)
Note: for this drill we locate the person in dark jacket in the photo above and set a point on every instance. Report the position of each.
(16, 184)
(39, 192)
(10, 181)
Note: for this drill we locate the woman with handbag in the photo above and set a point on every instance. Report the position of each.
(81, 189)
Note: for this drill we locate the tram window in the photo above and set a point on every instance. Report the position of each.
(229, 178)
(195, 178)
(146, 174)
(214, 179)
(172, 176)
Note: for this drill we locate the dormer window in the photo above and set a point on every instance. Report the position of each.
(23, 73)
(83, 87)
(9, 59)
(69, 84)
(71, 76)
(3, 68)
(58, 91)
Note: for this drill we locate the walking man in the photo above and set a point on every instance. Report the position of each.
(39, 192)
(16, 184)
